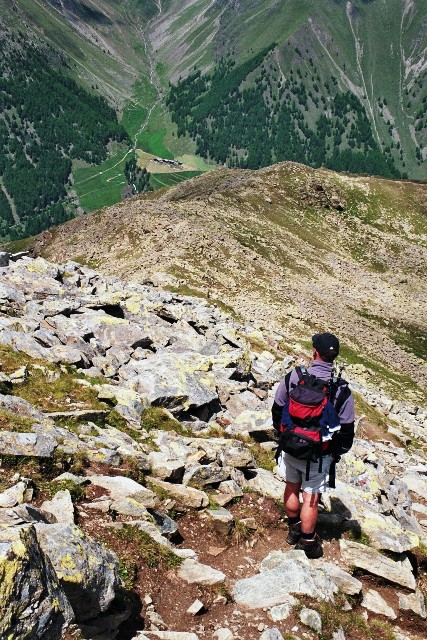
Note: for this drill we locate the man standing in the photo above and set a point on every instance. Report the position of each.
(312, 479)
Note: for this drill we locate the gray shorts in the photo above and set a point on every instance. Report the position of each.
(294, 470)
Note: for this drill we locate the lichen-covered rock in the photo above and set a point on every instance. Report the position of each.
(27, 444)
(60, 507)
(122, 488)
(185, 496)
(32, 602)
(272, 587)
(363, 557)
(87, 571)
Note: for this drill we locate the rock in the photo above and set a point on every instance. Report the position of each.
(345, 582)
(375, 603)
(61, 507)
(227, 491)
(4, 258)
(6, 385)
(222, 520)
(22, 514)
(223, 634)
(164, 468)
(176, 381)
(271, 634)
(202, 475)
(416, 483)
(27, 444)
(272, 587)
(165, 635)
(121, 488)
(17, 494)
(195, 608)
(363, 557)
(339, 634)
(238, 457)
(283, 611)
(167, 527)
(265, 483)
(186, 496)
(32, 603)
(129, 507)
(129, 403)
(87, 571)
(413, 602)
(194, 572)
(251, 422)
(311, 618)
(71, 477)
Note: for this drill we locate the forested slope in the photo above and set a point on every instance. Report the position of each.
(46, 121)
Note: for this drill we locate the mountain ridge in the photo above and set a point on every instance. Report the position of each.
(292, 248)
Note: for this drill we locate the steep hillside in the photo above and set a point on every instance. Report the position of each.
(292, 248)
(333, 47)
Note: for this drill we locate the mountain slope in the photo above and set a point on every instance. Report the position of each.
(295, 249)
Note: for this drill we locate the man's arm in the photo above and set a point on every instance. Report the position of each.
(280, 398)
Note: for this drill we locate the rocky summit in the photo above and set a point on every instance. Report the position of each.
(139, 497)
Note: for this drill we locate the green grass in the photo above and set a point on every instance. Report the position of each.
(101, 186)
(152, 142)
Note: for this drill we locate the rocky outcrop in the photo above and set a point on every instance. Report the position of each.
(189, 403)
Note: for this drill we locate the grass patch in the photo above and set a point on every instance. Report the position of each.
(241, 532)
(13, 422)
(49, 387)
(77, 491)
(353, 625)
(149, 552)
(158, 418)
(101, 185)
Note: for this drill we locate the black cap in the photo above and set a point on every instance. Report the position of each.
(327, 345)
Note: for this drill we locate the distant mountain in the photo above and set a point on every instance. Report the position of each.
(333, 83)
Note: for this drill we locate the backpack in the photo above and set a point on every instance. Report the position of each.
(310, 416)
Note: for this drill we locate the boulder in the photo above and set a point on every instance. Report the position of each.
(60, 507)
(15, 495)
(414, 602)
(27, 444)
(165, 468)
(87, 571)
(271, 634)
(227, 491)
(195, 572)
(266, 483)
(273, 586)
(185, 496)
(22, 514)
(32, 602)
(311, 618)
(363, 557)
(375, 603)
(222, 520)
(120, 488)
(283, 611)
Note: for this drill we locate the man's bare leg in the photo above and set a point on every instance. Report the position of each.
(291, 499)
(309, 511)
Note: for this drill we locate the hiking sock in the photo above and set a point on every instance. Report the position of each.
(308, 537)
(294, 532)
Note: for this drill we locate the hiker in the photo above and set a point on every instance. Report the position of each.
(313, 415)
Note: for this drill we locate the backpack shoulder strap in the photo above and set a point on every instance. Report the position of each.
(343, 395)
(287, 381)
(301, 372)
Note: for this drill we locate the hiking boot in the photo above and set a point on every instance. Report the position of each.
(313, 548)
(294, 533)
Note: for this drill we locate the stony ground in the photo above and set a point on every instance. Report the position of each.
(289, 248)
(138, 493)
